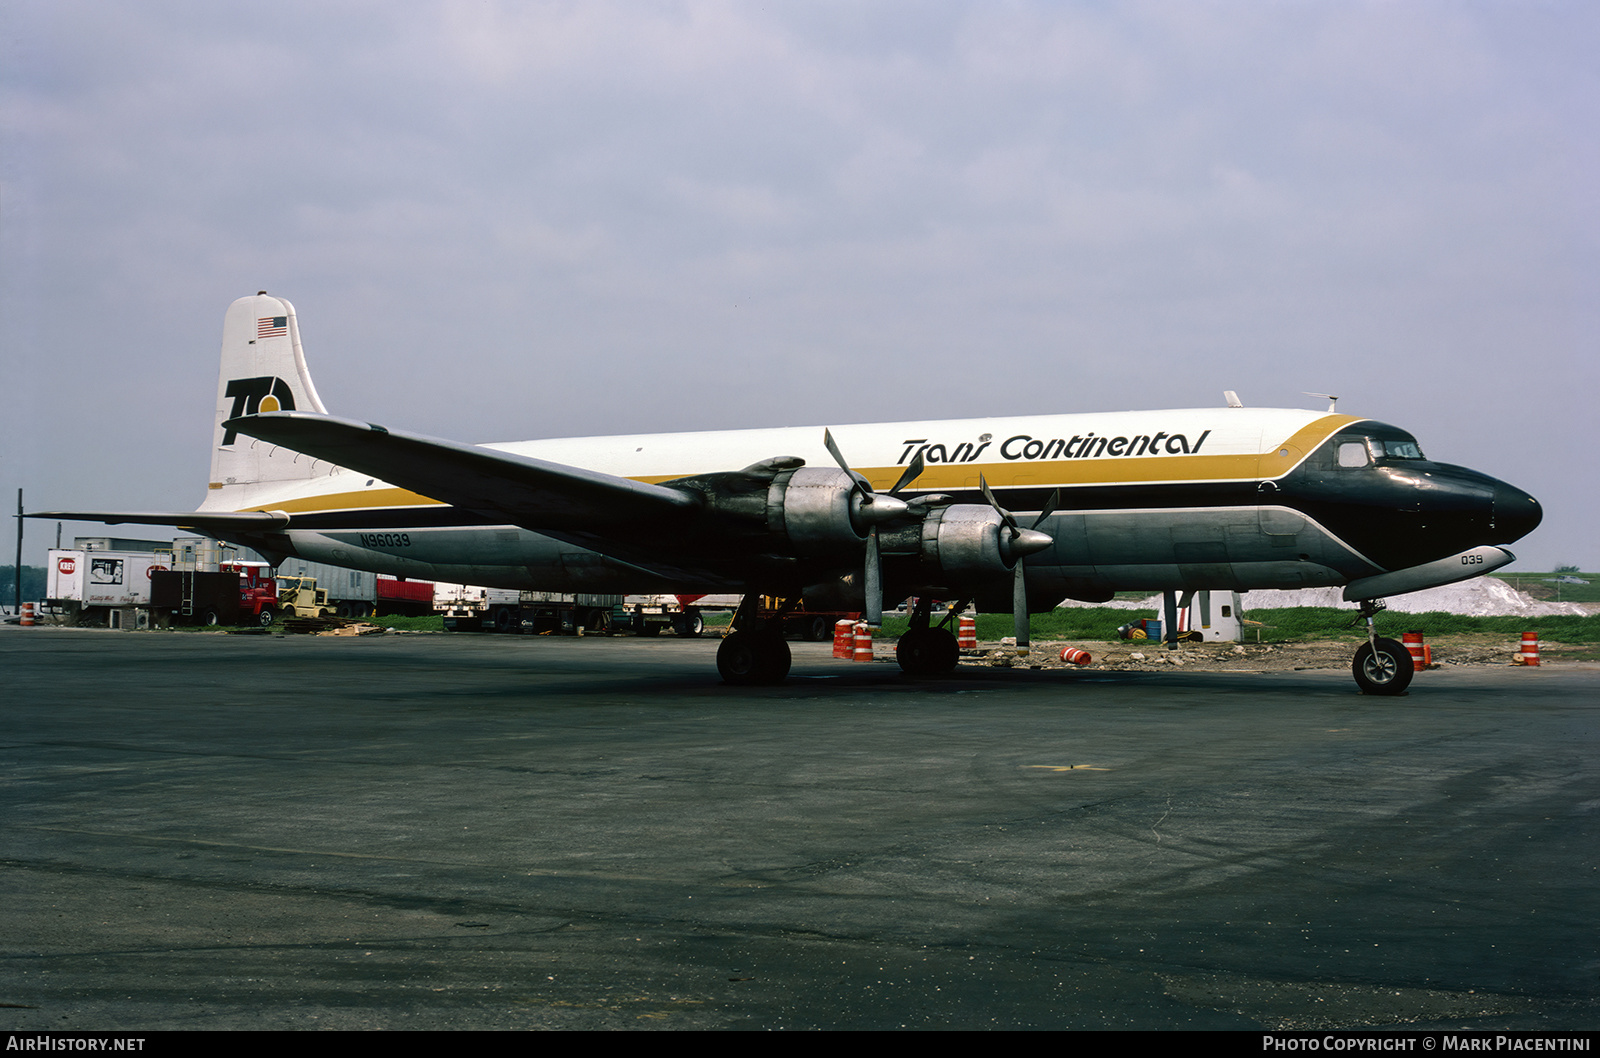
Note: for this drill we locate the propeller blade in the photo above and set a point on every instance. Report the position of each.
(1049, 508)
(863, 486)
(911, 474)
(874, 581)
(1019, 607)
(1005, 515)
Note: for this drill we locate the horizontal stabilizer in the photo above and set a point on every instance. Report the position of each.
(533, 493)
(211, 522)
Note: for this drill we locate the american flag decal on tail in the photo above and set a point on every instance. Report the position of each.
(272, 327)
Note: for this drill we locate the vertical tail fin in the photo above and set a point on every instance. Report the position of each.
(263, 369)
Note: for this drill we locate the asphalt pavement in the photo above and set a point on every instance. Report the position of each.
(472, 831)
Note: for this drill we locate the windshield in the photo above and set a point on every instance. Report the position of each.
(1393, 449)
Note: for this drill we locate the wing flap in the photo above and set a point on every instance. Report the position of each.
(533, 493)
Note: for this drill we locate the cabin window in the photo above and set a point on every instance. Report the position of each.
(1353, 454)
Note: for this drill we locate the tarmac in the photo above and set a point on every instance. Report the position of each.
(479, 832)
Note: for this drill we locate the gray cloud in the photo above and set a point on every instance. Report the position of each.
(505, 220)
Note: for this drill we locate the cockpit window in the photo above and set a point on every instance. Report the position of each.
(1352, 454)
(1396, 449)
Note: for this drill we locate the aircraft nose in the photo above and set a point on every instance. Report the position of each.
(1516, 514)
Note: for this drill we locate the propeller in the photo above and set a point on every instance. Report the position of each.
(1015, 544)
(876, 508)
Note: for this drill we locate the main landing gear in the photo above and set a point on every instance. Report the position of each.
(755, 652)
(1381, 666)
(925, 651)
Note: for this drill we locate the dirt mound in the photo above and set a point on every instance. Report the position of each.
(1480, 597)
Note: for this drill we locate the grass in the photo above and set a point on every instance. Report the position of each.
(1284, 625)
(429, 623)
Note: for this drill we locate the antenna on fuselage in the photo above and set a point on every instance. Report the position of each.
(1332, 400)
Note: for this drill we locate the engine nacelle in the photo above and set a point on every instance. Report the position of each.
(964, 541)
(817, 510)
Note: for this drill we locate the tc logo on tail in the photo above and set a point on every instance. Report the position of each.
(252, 395)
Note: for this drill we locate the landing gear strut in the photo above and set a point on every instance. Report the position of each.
(755, 652)
(925, 651)
(1381, 666)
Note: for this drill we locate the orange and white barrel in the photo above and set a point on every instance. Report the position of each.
(1413, 641)
(1427, 656)
(27, 615)
(967, 638)
(1530, 649)
(1074, 656)
(863, 642)
(844, 634)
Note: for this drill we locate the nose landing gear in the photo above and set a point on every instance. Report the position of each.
(1381, 666)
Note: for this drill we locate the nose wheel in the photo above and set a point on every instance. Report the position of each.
(1381, 666)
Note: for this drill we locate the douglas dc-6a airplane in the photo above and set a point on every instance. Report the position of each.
(1014, 513)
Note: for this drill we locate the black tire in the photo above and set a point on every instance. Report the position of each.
(927, 652)
(689, 624)
(1386, 670)
(210, 618)
(266, 616)
(749, 658)
(818, 629)
(505, 621)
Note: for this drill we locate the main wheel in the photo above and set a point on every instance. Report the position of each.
(1384, 670)
(927, 652)
(266, 616)
(747, 658)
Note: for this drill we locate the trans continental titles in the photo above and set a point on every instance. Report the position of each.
(1078, 446)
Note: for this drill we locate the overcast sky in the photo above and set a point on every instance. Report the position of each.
(505, 220)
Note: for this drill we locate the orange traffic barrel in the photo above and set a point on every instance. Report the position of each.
(1074, 656)
(967, 639)
(1413, 641)
(863, 645)
(27, 615)
(1530, 649)
(844, 634)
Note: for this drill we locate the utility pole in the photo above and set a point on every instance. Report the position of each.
(19, 551)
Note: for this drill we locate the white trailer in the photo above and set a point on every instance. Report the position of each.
(96, 587)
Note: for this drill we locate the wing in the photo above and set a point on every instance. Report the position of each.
(220, 523)
(517, 490)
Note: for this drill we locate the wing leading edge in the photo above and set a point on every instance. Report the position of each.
(517, 490)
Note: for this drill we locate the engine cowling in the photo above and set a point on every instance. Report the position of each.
(820, 511)
(963, 540)
(972, 545)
